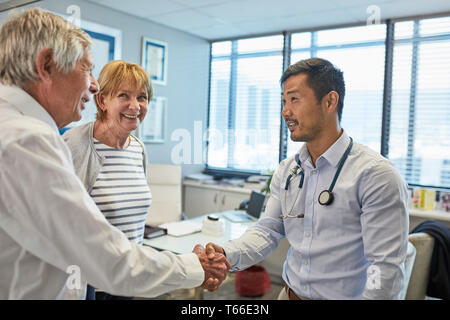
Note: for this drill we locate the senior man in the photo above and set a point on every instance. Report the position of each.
(51, 231)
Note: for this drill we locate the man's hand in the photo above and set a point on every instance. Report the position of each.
(215, 266)
(212, 248)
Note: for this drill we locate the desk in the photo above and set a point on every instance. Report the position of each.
(185, 244)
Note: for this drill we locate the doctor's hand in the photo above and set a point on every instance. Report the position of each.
(215, 266)
(212, 249)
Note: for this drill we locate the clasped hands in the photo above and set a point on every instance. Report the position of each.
(214, 263)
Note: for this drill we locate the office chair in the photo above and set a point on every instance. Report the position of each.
(418, 283)
(409, 263)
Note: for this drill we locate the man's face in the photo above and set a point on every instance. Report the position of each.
(126, 109)
(70, 91)
(302, 112)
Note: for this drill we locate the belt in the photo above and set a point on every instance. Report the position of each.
(291, 294)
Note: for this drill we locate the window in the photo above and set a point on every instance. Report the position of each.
(419, 142)
(363, 103)
(412, 98)
(300, 50)
(244, 116)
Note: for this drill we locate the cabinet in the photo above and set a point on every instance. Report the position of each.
(200, 199)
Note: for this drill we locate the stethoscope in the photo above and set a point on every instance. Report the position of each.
(325, 197)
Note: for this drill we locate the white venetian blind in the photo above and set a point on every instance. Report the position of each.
(419, 142)
(244, 112)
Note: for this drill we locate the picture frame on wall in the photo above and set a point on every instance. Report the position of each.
(154, 59)
(153, 128)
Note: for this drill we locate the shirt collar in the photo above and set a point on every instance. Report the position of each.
(333, 154)
(26, 104)
(304, 155)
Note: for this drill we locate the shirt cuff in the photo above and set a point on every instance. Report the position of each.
(231, 254)
(194, 270)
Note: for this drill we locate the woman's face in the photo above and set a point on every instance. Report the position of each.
(126, 108)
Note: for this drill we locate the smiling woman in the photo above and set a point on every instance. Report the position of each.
(111, 161)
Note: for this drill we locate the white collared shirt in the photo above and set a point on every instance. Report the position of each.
(50, 227)
(354, 248)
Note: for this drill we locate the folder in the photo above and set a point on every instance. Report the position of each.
(153, 232)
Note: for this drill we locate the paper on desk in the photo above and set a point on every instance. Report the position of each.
(198, 177)
(181, 228)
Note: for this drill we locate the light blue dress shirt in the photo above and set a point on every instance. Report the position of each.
(354, 248)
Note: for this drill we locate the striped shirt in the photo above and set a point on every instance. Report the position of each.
(121, 191)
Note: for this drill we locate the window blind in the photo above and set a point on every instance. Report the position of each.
(244, 117)
(419, 143)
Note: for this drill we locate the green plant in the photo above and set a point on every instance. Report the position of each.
(266, 189)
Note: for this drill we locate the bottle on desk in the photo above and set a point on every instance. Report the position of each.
(212, 226)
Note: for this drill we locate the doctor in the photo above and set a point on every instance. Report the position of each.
(341, 205)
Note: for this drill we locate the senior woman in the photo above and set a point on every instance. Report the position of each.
(109, 160)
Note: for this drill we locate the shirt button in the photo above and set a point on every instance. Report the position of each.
(309, 202)
(314, 171)
(307, 234)
(305, 262)
(304, 288)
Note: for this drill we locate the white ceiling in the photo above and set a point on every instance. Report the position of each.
(221, 19)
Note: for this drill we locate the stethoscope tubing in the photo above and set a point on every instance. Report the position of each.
(299, 171)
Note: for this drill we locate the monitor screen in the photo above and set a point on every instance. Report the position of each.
(255, 204)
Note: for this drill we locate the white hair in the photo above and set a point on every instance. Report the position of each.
(22, 37)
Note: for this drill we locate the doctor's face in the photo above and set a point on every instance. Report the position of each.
(302, 112)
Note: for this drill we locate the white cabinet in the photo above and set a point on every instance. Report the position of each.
(200, 199)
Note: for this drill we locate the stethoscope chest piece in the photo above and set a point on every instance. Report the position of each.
(326, 197)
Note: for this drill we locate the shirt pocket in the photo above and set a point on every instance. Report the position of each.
(294, 228)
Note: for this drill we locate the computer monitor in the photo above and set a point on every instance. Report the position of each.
(255, 204)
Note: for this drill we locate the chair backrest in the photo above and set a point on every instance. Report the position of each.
(409, 263)
(424, 244)
(165, 185)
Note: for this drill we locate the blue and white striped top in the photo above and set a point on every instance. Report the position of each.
(121, 191)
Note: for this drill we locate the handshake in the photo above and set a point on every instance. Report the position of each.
(214, 263)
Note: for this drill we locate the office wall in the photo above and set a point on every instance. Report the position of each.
(188, 64)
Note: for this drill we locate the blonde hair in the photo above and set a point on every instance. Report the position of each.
(22, 37)
(116, 72)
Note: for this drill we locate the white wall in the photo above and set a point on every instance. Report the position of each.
(188, 66)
